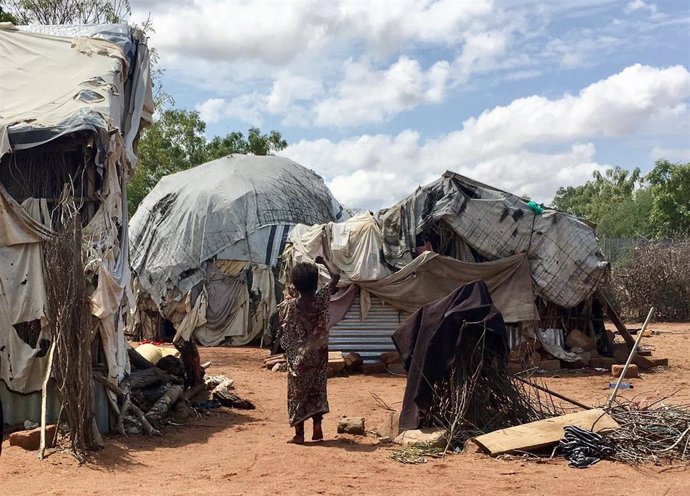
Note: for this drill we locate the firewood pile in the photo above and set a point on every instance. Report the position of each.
(166, 392)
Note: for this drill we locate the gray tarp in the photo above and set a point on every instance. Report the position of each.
(430, 277)
(239, 207)
(425, 279)
(564, 256)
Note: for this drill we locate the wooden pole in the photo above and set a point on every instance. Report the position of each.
(611, 313)
(44, 400)
(630, 357)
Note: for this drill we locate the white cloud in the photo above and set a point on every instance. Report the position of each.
(481, 52)
(368, 95)
(671, 154)
(531, 146)
(582, 48)
(292, 54)
(638, 5)
(245, 108)
(212, 110)
(289, 89)
(275, 32)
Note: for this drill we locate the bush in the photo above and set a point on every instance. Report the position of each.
(655, 273)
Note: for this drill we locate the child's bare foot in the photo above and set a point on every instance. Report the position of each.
(318, 433)
(297, 439)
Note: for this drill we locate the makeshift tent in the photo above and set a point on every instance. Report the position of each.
(206, 241)
(73, 100)
(449, 233)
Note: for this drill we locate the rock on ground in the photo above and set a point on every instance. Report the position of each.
(351, 425)
(429, 437)
(31, 440)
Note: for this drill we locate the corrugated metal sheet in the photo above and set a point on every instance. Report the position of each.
(20, 407)
(552, 336)
(369, 337)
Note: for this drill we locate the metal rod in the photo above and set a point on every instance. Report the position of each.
(553, 393)
(630, 357)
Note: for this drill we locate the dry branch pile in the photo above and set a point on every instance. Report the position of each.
(654, 274)
(650, 433)
(72, 329)
(480, 396)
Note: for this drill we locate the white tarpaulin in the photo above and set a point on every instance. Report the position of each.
(237, 208)
(22, 292)
(56, 81)
(54, 85)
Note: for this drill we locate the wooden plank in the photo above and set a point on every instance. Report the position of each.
(543, 433)
(611, 313)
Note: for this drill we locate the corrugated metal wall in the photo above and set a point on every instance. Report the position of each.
(369, 337)
(20, 407)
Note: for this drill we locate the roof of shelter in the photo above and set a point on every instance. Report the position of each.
(57, 80)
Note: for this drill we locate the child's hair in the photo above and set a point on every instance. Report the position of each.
(305, 277)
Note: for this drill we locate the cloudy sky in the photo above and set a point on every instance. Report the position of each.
(379, 96)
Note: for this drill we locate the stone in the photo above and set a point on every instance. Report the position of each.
(351, 425)
(353, 362)
(632, 372)
(578, 339)
(389, 357)
(374, 368)
(602, 363)
(390, 427)
(434, 437)
(336, 363)
(31, 440)
(396, 369)
(550, 365)
(621, 356)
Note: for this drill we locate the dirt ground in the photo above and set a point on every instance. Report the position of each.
(244, 452)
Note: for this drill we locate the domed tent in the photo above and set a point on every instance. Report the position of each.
(206, 243)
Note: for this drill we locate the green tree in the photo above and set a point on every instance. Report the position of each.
(68, 11)
(6, 16)
(175, 142)
(255, 143)
(670, 186)
(616, 201)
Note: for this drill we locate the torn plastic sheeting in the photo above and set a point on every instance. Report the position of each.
(565, 261)
(118, 34)
(35, 113)
(226, 209)
(16, 225)
(432, 276)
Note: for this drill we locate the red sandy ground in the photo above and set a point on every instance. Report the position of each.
(244, 452)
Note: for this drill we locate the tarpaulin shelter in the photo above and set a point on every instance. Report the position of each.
(446, 234)
(73, 100)
(207, 241)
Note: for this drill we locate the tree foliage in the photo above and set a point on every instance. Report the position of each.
(68, 11)
(176, 142)
(255, 143)
(626, 204)
(670, 186)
